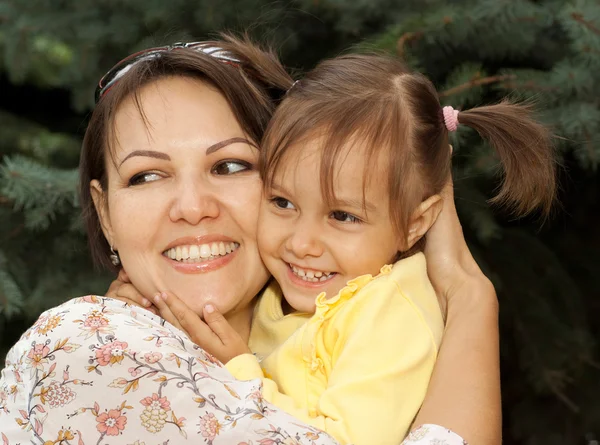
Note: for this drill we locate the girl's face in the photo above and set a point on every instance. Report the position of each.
(311, 247)
(183, 198)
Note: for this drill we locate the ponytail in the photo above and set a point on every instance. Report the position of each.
(526, 153)
(261, 65)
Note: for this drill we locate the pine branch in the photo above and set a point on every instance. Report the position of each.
(578, 17)
(405, 38)
(475, 82)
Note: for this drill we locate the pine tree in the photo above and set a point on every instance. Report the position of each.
(475, 51)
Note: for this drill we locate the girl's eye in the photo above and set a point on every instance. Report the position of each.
(282, 203)
(231, 167)
(345, 217)
(144, 177)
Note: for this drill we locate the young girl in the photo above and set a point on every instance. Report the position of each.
(353, 163)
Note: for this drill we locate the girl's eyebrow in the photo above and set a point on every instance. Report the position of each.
(355, 203)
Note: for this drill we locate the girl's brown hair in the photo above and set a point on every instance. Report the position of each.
(252, 87)
(375, 102)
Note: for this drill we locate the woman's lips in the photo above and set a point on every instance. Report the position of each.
(202, 265)
(200, 254)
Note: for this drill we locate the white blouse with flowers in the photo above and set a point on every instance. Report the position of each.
(95, 370)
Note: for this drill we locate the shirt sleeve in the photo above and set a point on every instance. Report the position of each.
(430, 434)
(97, 371)
(380, 372)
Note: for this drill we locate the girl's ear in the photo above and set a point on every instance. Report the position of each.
(101, 204)
(423, 218)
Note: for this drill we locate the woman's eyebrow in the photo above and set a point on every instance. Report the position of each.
(226, 142)
(209, 150)
(148, 153)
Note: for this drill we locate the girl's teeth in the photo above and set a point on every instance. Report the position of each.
(195, 253)
(310, 275)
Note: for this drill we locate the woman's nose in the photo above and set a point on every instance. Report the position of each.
(194, 201)
(305, 241)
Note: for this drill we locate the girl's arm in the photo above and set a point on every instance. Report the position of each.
(464, 391)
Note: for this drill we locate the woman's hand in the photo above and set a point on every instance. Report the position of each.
(122, 289)
(215, 335)
(450, 264)
(464, 390)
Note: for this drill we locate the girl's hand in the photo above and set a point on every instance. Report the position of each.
(122, 289)
(215, 335)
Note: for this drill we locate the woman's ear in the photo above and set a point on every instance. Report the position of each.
(101, 204)
(423, 218)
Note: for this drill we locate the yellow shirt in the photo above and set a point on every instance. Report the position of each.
(359, 367)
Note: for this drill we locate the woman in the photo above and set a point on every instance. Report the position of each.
(169, 161)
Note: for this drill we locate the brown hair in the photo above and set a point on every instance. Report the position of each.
(252, 87)
(375, 101)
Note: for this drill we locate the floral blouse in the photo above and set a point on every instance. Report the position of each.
(97, 371)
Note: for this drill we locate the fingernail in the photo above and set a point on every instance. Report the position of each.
(157, 298)
(145, 302)
(209, 308)
(163, 295)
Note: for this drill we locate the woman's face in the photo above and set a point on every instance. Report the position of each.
(183, 197)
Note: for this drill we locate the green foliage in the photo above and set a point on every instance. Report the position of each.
(475, 51)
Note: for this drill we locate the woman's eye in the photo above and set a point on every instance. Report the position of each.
(142, 178)
(231, 167)
(345, 217)
(282, 203)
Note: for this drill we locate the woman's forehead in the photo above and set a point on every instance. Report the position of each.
(170, 113)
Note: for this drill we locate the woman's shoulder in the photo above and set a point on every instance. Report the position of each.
(94, 369)
(76, 326)
(85, 317)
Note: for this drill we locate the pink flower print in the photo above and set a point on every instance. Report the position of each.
(154, 415)
(209, 426)
(57, 395)
(91, 299)
(152, 357)
(111, 353)
(134, 371)
(95, 322)
(156, 402)
(37, 356)
(111, 423)
(256, 395)
(46, 323)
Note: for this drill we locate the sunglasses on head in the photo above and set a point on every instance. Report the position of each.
(117, 71)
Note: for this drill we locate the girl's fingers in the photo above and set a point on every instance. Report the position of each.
(217, 323)
(123, 276)
(189, 321)
(129, 292)
(113, 288)
(165, 312)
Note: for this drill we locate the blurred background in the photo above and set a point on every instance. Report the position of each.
(52, 54)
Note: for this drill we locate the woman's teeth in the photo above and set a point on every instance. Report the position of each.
(311, 275)
(203, 252)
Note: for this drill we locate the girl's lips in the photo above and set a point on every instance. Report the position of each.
(297, 281)
(208, 265)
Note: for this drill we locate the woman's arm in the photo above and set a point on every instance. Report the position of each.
(464, 391)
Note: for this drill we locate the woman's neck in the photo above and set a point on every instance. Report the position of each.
(241, 321)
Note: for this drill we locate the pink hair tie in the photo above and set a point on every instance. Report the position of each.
(450, 118)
